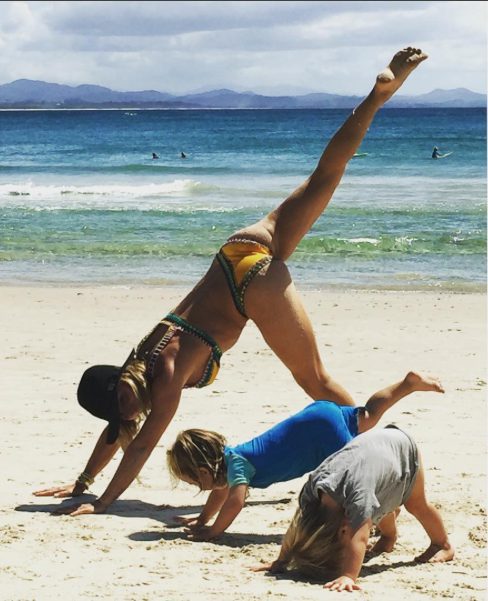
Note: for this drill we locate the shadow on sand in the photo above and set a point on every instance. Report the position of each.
(163, 514)
(296, 576)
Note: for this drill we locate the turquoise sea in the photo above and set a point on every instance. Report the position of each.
(82, 201)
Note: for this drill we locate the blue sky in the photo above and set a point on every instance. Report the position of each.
(266, 47)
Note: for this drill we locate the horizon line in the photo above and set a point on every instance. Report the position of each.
(176, 95)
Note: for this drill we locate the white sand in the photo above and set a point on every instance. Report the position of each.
(134, 551)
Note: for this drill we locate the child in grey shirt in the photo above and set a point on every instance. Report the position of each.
(359, 486)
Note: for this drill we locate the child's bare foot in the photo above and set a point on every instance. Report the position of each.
(418, 382)
(402, 64)
(436, 554)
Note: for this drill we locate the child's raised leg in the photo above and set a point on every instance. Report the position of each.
(440, 549)
(384, 399)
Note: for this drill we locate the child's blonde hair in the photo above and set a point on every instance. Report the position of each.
(311, 543)
(194, 449)
(134, 375)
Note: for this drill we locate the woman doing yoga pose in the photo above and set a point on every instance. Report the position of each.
(247, 280)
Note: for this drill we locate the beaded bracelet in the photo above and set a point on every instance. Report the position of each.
(85, 479)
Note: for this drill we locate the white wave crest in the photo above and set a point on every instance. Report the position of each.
(373, 241)
(110, 196)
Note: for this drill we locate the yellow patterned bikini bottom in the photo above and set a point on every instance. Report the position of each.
(241, 260)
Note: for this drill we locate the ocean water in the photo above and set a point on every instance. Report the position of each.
(82, 201)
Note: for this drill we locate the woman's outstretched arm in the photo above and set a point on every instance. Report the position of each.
(100, 457)
(135, 456)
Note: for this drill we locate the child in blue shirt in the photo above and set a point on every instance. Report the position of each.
(292, 448)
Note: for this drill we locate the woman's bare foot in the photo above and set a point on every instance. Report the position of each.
(418, 382)
(402, 64)
(436, 554)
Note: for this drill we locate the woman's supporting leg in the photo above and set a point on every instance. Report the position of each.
(440, 549)
(274, 305)
(284, 227)
(272, 301)
(384, 399)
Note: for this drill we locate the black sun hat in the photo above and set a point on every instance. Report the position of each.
(97, 393)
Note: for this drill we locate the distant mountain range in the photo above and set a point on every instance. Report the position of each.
(26, 93)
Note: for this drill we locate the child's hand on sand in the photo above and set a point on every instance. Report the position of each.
(194, 523)
(201, 534)
(343, 583)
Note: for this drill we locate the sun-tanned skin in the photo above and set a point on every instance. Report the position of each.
(272, 302)
(384, 399)
(228, 502)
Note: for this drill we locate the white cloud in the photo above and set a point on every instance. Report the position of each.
(266, 46)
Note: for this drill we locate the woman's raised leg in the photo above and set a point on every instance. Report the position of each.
(284, 227)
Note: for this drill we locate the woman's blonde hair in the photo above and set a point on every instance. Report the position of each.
(311, 542)
(134, 376)
(194, 449)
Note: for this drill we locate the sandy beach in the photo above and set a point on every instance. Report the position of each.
(135, 551)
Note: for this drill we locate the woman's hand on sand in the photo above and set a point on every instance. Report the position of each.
(61, 492)
(343, 583)
(82, 509)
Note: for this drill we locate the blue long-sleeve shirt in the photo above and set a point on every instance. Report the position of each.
(293, 447)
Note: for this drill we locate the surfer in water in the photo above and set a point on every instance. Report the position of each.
(437, 155)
